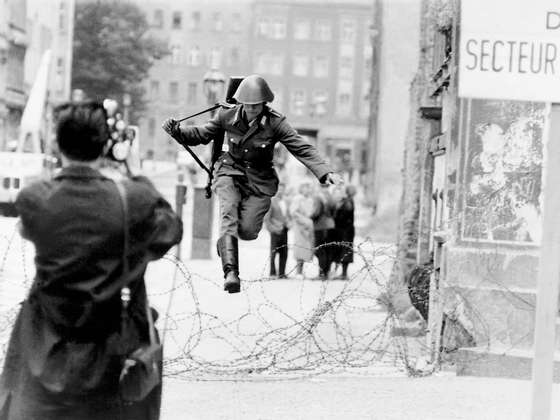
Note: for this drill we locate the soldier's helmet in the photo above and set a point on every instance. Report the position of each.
(253, 90)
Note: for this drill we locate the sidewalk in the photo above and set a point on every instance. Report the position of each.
(438, 397)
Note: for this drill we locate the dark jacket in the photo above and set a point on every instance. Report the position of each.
(323, 210)
(249, 150)
(67, 342)
(344, 230)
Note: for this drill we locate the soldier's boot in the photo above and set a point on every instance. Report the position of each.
(228, 252)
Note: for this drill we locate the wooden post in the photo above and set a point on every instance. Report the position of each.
(549, 275)
(180, 200)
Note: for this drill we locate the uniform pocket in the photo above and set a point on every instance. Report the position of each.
(264, 149)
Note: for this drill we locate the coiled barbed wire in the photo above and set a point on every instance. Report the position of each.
(277, 329)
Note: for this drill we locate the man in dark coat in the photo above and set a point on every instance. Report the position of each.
(245, 178)
(66, 349)
(323, 227)
(344, 230)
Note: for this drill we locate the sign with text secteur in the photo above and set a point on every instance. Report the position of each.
(510, 49)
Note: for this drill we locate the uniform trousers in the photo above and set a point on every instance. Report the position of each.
(242, 209)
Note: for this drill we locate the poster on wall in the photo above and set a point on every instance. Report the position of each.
(503, 171)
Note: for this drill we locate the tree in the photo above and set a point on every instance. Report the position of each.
(113, 51)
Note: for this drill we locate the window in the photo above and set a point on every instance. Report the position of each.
(261, 63)
(268, 63)
(323, 31)
(173, 92)
(365, 100)
(346, 69)
(195, 21)
(276, 64)
(368, 57)
(195, 57)
(59, 76)
(321, 66)
(263, 27)
(177, 20)
(348, 30)
(236, 22)
(279, 29)
(302, 29)
(343, 106)
(297, 102)
(62, 18)
(158, 18)
(319, 103)
(344, 98)
(175, 54)
(215, 58)
(300, 65)
(218, 22)
(234, 57)
(191, 93)
(154, 89)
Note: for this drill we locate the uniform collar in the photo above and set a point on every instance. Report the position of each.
(78, 171)
(238, 117)
(262, 119)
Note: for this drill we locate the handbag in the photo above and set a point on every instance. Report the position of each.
(141, 370)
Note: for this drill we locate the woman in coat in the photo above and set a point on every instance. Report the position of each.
(301, 209)
(344, 230)
(68, 344)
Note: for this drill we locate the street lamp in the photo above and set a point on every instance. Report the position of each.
(213, 85)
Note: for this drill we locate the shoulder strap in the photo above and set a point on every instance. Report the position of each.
(124, 205)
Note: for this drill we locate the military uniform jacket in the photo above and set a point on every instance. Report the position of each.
(248, 150)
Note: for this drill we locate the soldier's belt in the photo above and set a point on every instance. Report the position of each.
(248, 164)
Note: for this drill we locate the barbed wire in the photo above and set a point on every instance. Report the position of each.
(273, 330)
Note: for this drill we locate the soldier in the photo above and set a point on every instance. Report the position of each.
(245, 179)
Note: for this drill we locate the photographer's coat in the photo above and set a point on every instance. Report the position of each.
(68, 342)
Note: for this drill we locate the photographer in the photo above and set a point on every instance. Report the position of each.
(68, 344)
(245, 178)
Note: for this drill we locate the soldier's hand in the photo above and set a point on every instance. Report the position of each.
(171, 127)
(334, 179)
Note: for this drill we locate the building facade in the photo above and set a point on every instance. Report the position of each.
(201, 36)
(27, 30)
(316, 58)
(13, 45)
(472, 205)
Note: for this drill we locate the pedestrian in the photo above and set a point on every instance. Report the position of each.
(277, 224)
(323, 226)
(68, 344)
(344, 229)
(301, 209)
(245, 178)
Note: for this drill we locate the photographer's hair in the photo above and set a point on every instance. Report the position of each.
(81, 130)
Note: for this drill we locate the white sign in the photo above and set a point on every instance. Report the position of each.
(510, 49)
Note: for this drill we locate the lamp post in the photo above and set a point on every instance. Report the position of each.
(203, 209)
(213, 84)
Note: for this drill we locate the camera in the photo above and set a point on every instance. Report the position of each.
(121, 135)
